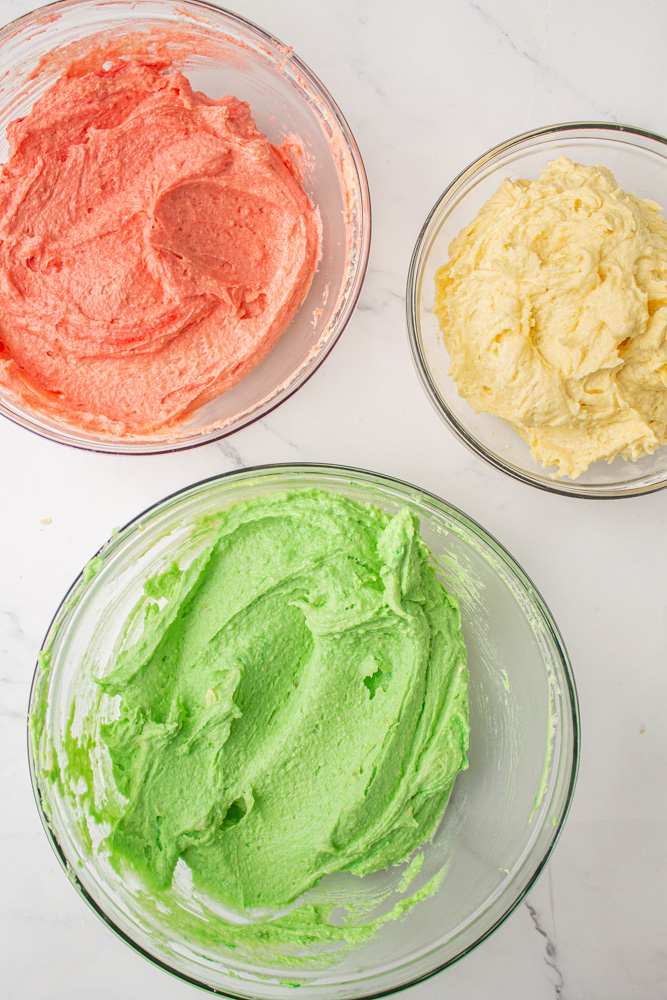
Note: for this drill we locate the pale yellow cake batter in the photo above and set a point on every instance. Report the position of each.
(553, 307)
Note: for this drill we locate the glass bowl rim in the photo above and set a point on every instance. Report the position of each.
(437, 505)
(69, 435)
(592, 492)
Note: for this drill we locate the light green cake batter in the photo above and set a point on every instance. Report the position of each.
(296, 705)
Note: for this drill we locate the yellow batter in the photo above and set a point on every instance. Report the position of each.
(553, 307)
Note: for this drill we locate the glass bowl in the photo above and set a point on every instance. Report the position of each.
(638, 160)
(225, 55)
(502, 820)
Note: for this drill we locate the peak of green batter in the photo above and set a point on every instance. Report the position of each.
(296, 705)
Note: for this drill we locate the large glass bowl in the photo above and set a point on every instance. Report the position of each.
(505, 813)
(638, 160)
(225, 55)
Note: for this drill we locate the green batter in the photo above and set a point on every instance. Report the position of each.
(296, 705)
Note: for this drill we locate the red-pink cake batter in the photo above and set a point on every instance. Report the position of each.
(153, 247)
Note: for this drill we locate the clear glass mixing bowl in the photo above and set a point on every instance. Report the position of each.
(638, 160)
(225, 55)
(504, 815)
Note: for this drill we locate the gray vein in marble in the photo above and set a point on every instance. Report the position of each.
(281, 437)
(62, 920)
(515, 48)
(359, 66)
(380, 299)
(551, 954)
(11, 713)
(536, 61)
(14, 644)
(13, 620)
(231, 453)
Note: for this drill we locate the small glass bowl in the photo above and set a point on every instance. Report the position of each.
(638, 160)
(226, 55)
(502, 820)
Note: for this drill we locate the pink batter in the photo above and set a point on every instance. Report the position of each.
(153, 247)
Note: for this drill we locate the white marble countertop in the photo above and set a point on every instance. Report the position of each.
(426, 87)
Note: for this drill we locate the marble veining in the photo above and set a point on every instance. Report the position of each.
(231, 453)
(540, 67)
(550, 951)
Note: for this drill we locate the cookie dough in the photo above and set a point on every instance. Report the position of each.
(553, 308)
(153, 247)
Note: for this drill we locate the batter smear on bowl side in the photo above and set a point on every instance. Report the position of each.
(153, 248)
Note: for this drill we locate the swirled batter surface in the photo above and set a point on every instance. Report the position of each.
(553, 307)
(296, 705)
(153, 247)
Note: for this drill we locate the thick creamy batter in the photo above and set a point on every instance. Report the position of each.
(296, 705)
(153, 247)
(553, 307)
